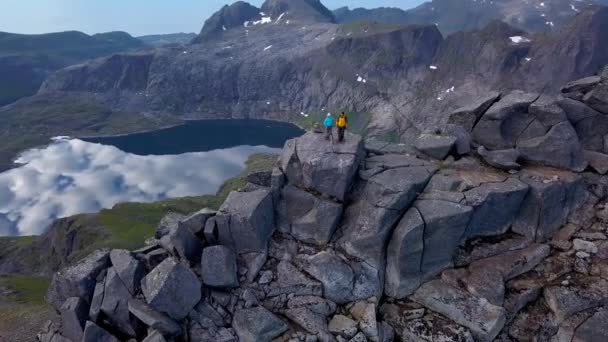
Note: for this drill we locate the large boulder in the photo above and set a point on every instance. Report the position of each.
(424, 244)
(182, 243)
(598, 161)
(594, 328)
(553, 195)
(368, 222)
(114, 305)
(94, 333)
(153, 319)
(598, 98)
(246, 221)
(583, 85)
(495, 205)
(560, 148)
(484, 320)
(404, 256)
(334, 273)
(257, 325)
(78, 280)
(548, 112)
(435, 146)
(196, 221)
(468, 116)
(500, 127)
(445, 224)
(74, 313)
(307, 217)
(501, 159)
(129, 270)
(218, 267)
(312, 163)
(172, 288)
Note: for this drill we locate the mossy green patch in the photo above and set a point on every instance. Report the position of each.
(26, 289)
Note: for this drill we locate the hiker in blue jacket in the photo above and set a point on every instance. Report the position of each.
(329, 127)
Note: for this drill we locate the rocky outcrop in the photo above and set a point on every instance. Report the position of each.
(343, 242)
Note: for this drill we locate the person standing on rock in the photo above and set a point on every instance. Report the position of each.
(342, 125)
(329, 127)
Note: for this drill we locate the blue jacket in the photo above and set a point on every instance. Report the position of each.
(329, 122)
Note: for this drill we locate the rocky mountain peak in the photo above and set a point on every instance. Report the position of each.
(227, 17)
(302, 10)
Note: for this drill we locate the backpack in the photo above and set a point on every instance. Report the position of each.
(342, 121)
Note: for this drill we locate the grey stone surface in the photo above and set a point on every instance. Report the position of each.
(505, 121)
(435, 146)
(168, 222)
(364, 312)
(290, 280)
(404, 256)
(74, 314)
(484, 320)
(312, 163)
(468, 116)
(593, 329)
(598, 161)
(154, 336)
(218, 267)
(93, 333)
(334, 273)
(196, 221)
(312, 322)
(115, 304)
(582, 85)
(502, 159)
(172, 288)
(369, 220)
(560, 148)
(246, 221)
(598, 98)
(553, 195)
(153, 319)
(257, 325)
(463, 137)
(445, 224)
(576, 111)
(78, 280)
(128, 269)
(343, 326)
(181, 242)
(306, 217)
(495, 206)
(97, 299)
(316, 304)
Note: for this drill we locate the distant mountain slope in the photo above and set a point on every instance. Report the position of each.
(26, 60)
(387, 15)
(165, 39)
(407, 77)
(458, 15)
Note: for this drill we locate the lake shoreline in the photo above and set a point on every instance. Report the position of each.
(184, 122)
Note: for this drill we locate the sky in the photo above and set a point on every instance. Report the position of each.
(138, 17)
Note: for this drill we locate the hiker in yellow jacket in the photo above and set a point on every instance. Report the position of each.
(342, 124)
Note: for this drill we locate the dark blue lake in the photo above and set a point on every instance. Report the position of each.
(201, 136)
(74, 176)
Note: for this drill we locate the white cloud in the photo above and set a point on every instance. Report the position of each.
(73, 176)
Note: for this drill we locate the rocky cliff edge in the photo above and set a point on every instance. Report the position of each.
(486, 229)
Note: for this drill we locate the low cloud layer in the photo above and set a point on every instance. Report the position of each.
(72, 176)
